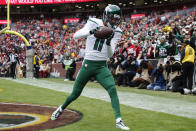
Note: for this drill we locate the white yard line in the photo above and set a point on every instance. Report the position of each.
(159, 104)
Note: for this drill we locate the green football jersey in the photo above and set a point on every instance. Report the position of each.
(163, 50)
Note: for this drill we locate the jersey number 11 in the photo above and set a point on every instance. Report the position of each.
(99, 43)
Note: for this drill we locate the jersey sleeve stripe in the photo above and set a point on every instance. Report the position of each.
(118, 31)
(93, 21)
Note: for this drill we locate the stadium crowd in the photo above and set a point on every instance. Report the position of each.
(150, 46)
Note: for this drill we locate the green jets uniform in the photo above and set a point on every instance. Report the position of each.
(94, 65)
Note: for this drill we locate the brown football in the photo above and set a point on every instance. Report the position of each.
(103, 33)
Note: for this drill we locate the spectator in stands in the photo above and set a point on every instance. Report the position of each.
(44, 70)
(135, 50)
(150, 51)
(162, 48)
(188, 38)
(147, 50)
(123, 46)
(193, 39)
(49, 35)
(144, 47)
(5, 67)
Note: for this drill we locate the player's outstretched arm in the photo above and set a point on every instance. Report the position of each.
(82, 33)
(88, 29)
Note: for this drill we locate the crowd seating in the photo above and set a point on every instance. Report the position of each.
(52, 38)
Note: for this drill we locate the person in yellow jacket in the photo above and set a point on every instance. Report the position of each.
(187, 59)
(37, 63)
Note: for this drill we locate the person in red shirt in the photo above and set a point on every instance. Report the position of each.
(147, 50)
(135, 50)
(150, 53)
(123, 50)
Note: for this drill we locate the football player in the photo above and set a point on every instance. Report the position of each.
(94, 65)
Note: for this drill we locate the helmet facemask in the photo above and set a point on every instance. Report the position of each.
(112, 16)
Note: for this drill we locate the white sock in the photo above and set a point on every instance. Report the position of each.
(118, 119)
(61, 108)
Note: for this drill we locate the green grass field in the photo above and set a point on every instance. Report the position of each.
(97, 114)
(164, 94)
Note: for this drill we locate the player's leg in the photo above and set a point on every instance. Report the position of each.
(81, 80)
(12, 70)
(105, 78)
(79, 84)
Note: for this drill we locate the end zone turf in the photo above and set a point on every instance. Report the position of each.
(29, 117)
(97, 114)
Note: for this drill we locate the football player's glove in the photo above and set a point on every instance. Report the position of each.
(108, 42)
(94, 30)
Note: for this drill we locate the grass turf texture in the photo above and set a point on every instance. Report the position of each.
(97, 114)
(164, 94)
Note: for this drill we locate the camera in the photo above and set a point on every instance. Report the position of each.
(144, 64)
(120, 58)
(168, 63)
(160, 69)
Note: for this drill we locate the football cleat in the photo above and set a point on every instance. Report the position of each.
(194, 91)
(185, 91)
(121, 125)
(56, 113)
(66, 79)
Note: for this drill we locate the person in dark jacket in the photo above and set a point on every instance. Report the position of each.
(160, 83)
(144, 71)
(131, 66)
(36, 63)
(175, 75)
(13, 59)
(119, 69)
